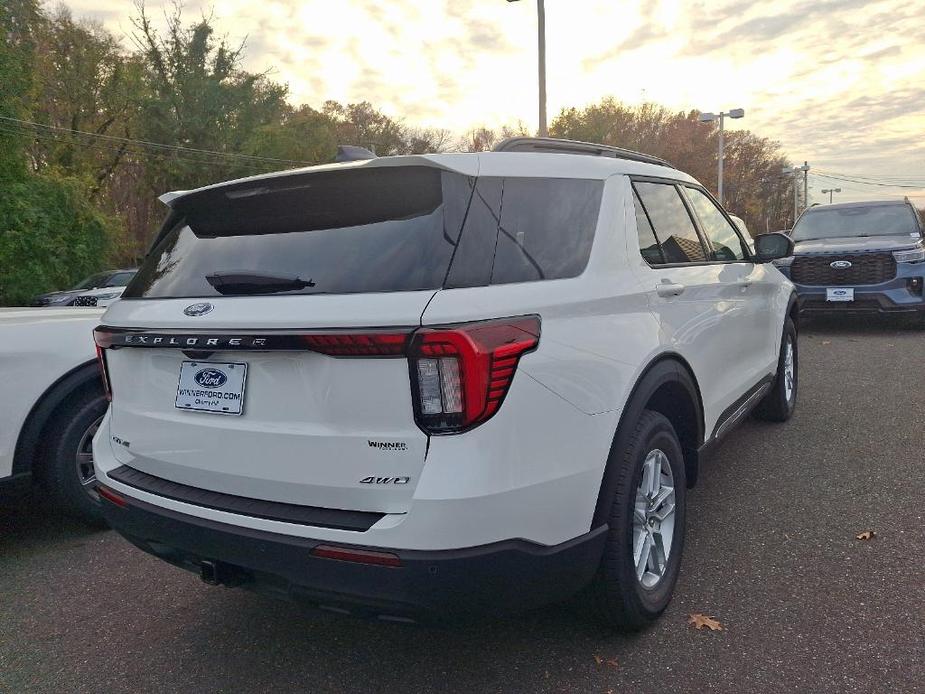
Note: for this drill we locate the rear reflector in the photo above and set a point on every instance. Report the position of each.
(111, 496)
(358, 344)
(460, 374)
(359, 556)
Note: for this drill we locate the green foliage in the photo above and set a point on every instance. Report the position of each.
(18, 22)
(50, 237)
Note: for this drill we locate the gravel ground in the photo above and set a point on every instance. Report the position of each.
(771, 553)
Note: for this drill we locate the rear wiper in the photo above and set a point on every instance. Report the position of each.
(253, 283)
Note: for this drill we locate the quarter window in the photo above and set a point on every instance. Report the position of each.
(727, 245)
(671, 222)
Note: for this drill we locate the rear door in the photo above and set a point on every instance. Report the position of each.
(698, 301)
(285, 305)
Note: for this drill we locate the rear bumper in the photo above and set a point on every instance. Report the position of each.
(505, 576)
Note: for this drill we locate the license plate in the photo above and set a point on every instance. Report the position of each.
(839, 294)
(211, 387)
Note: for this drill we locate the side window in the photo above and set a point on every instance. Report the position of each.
(727, 245)
(673, 225)
(648, 244)
(546, 229)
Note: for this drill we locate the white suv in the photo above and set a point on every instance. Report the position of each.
(427, 385)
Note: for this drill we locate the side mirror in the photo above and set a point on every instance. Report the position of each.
(773, 246)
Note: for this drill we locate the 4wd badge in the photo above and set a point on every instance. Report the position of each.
(385, 480)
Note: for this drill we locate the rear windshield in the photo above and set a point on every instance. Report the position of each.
(370, 230)
(875, 220)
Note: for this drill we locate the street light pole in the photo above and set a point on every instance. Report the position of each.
(541, 53)
(830, 191)
(541, 59)
(709, 118)
(719, 183)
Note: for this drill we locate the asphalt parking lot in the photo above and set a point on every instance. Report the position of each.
(771, 553)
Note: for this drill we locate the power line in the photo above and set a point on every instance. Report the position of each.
(134, 153)
(871, 183)
(148, 144)
(878, 179)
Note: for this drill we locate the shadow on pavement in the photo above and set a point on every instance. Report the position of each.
(861, 324)
(28, 521)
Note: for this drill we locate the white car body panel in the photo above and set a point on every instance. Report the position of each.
(531, 472)
(37, 347)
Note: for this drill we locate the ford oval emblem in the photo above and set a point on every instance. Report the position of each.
(210, 378)
(840, 264)
(198, 309)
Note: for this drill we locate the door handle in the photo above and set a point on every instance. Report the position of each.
(669, 289)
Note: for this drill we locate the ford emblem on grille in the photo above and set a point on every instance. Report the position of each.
(840, 264)
(210, 378)
(198, 309)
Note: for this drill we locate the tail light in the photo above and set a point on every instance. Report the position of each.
(104, 371)
(460, 374)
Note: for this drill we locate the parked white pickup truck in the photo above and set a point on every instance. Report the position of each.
(51, 404)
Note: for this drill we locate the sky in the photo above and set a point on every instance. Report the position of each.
(839, 83)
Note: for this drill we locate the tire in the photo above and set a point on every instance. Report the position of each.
(779, 403)
(69, 480)
(623, 596)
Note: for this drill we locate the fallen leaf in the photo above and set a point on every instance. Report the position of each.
(699, 621)
(613, 663)
(826, 342)
(866, 535)
(598, 659)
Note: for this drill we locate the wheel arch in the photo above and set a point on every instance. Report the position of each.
(43, 412)
(793, 310)
(668, 386)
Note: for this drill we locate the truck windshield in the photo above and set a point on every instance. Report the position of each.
(872, 220)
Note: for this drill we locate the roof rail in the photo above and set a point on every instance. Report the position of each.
(555, 145)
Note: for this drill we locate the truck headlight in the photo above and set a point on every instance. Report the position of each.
(913, 255)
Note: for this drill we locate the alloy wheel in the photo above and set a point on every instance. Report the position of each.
(86, 475)
(653, 519)
(789, 370)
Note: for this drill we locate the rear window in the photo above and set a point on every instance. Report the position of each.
(371, 230)
(873, 220)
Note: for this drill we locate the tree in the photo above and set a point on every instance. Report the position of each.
(199, 98)
(18, 22)
(106, 100)
(49, 233)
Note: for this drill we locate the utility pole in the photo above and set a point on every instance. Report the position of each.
(792, 171)
(805, 169)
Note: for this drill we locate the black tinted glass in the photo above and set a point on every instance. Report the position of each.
(471, 265)
(648, 244)
(547, 228)
(676, 231)
(862, 220)
(362, 230)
